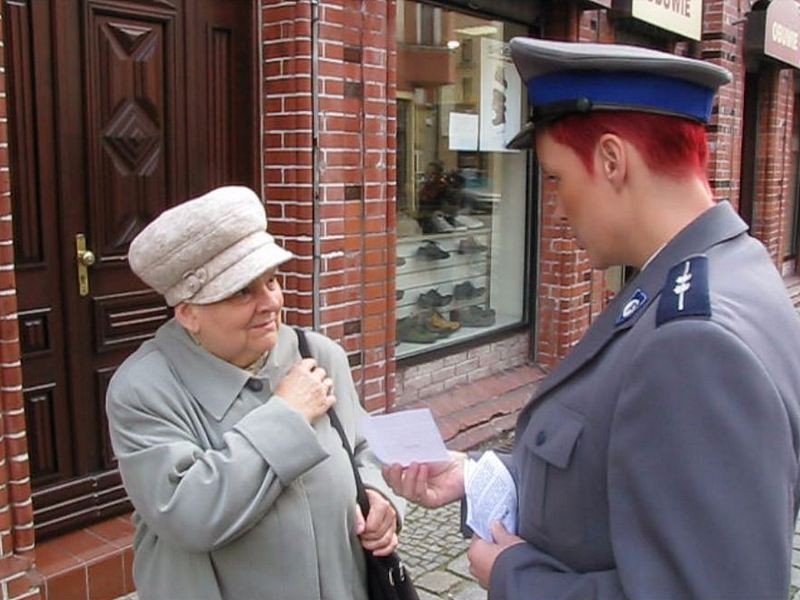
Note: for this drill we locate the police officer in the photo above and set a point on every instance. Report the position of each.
(659, 460)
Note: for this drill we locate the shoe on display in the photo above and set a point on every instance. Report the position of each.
(473, 316)
(470, 222)
(455, 222)
(438, 323)
(410, 330)
(399, 294)
(432, 321)
(469, 245)
(467, 291)
(436, 224)
(433, 299)
(400, 261)
(432, 251)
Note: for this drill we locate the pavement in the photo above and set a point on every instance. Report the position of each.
(435, 553)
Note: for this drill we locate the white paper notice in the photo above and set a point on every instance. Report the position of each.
(491, 495)
(501, 97)
(463, 131)
(405, 437)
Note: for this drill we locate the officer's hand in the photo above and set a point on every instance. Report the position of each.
(428, 484)
(379, 532)
(308, 389)
(482, 554)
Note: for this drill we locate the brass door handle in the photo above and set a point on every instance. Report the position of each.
(84, 258)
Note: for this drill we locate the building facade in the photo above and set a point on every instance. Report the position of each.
(424, 247)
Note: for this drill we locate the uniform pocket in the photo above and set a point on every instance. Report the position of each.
(553, 491)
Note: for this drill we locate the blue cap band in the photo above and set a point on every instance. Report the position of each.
(623, 91)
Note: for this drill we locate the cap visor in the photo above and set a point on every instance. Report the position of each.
(523, 140)
(243, 272)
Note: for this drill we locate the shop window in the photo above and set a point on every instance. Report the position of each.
(461, 197)
(426, 33)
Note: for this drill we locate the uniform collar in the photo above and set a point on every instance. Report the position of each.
(716, 225)
(213, 382)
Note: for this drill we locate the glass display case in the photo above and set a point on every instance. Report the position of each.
(461, 196)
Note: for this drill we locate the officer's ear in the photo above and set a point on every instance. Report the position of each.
(612, 159)
(186, 315)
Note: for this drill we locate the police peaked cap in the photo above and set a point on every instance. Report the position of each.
(572, 77)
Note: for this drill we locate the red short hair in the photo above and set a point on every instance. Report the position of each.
(669, 145)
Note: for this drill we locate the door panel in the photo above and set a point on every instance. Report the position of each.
(154, 105)
(33, 171)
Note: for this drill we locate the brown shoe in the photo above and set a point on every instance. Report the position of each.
(438, 323)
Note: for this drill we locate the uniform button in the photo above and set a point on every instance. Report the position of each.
(254, 385)
(541, 438)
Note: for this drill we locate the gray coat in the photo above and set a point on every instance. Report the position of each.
(236, 496)
(659, 460)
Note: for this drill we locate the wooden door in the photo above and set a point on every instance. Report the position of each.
(118, 109)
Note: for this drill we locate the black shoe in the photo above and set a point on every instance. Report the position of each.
(433, 299)
(469, 245)
(432, 251)
(467, 291)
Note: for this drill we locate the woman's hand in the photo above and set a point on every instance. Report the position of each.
(430, 484)
(482, 554)
(308, 389)
(379, 533)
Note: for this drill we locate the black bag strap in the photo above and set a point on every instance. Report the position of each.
(361, 493)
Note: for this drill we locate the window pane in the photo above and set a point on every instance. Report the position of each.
(461, 197)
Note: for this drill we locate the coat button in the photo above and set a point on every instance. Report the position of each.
(541, 438)
(254, 385)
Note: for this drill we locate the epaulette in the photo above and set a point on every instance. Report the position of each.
(685, 293)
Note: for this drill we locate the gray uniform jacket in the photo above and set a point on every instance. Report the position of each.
(236, 495)
(659, 460)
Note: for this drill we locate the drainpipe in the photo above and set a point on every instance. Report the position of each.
(315, 168)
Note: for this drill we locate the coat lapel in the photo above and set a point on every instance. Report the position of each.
(714, 226)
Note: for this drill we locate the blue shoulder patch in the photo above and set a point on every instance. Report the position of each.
(632, 306)
(685, 292)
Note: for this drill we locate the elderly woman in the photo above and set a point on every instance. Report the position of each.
(241, 486)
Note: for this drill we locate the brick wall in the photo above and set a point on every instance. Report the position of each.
(436, 376)
(569, 292)
(723, 35)
(16, 510)
(339, 183)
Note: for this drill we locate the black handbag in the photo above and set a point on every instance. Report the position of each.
(387, 578)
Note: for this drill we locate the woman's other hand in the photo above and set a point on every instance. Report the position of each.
(430, 484)
(379, 533)
(308, 389)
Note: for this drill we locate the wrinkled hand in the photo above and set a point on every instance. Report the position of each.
(308, 389)
(430, 484)
(379, 532)
(482, 554)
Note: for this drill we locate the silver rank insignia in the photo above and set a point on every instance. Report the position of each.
(685, 293)
(683, 284)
